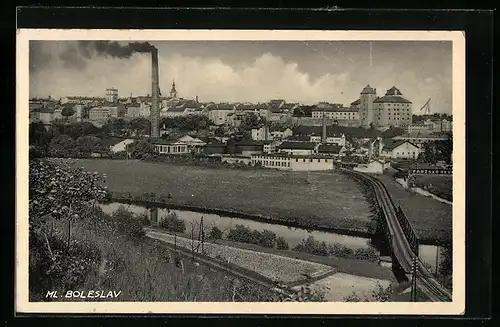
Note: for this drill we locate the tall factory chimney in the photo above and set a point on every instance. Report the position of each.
(323, 131)
(155, 105)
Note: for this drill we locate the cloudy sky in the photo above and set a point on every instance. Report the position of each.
(225, 71)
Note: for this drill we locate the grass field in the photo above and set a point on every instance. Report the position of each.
(320, 199)
(438, 185)
(432, 219)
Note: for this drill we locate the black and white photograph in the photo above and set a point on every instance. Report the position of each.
(183, 168)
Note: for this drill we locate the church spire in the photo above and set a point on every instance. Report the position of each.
(173, 91)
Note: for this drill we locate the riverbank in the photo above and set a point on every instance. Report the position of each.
(307, 199)
(431, 218)
(361, 268)
(423, 192)
(281, 268)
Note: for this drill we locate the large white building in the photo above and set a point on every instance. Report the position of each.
(392, 109)
(294, 162)
(112, 95)
(218, 114)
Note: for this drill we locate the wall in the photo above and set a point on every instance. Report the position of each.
(311, 164)
(405, 151)
(121, 146)
(236, 159)
(297, 152)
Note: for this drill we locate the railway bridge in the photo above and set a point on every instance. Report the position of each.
(401, 239)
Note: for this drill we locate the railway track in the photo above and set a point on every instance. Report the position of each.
(401, 247)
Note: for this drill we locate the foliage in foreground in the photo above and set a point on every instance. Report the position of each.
(313, 246)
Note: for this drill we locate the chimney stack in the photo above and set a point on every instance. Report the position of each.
(323, 132)
(196, 99)
(155, 111)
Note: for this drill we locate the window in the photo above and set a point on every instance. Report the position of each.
(326, 160)
(319, 160)
(303, 160)
(296, 160)
(310, 160)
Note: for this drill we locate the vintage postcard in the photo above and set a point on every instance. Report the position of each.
(216, 171)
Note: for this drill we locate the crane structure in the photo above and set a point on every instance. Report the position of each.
(426, 108)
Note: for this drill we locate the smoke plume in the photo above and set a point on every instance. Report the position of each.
(76, 55)
(113, 48)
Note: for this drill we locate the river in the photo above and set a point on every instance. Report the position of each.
(292, 235)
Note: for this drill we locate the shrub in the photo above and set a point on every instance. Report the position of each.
(173, 223)
(366, 254)
(281, 244)
(311, 245)
(240, 234)
(267, 239)
(215, 233)
(127, 223)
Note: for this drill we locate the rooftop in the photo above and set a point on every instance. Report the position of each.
(368, 90)
(393, 95)
(298, 145)
(329, 148)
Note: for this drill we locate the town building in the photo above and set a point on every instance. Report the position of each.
(271, 146)
(336, 113)
(195, 145)
(170, 147)
(249, 147)
(261, 134)
(121, 145)
(392, 109)
(214, 147)
(333, 150)
(420, 128)
(399, 149)
(298, 148)
(218, 114)
(419, 139)
(281, 133)
(293, 162)
(133, 111)
(374, 166)
(112, 95)
(46, 114)
(100, 114)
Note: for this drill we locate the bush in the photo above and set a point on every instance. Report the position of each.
(281, 244)
(366, 254)
(127, 223)
(215, 233)
(240, 234)
(310, 245)
(267, 239)
(173, 223)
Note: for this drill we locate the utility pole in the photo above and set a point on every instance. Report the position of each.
(414, 280)
(202, 235)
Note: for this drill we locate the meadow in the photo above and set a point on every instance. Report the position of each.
(324, 200)
(431, 219)
(309, 199)
(438, 185)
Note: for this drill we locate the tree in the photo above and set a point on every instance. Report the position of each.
(140, 126)
(88, 144)
(62, 146)
(61, 193)
(439, 150)
(36, 132)
(141, 149)
(251, 121)
(67, 112)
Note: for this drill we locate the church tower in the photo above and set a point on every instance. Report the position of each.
(173, 91)
(366, 110)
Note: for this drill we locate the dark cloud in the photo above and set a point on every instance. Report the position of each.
(72, 58)
(113, 48)
(38, 59)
